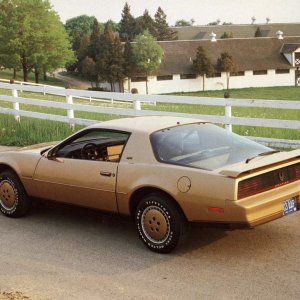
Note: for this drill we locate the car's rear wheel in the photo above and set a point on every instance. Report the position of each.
(14, 201)
(160, 223)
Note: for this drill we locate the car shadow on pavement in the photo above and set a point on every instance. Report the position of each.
(121, 229)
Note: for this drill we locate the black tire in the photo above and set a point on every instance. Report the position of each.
(14, 201)
(160, 224)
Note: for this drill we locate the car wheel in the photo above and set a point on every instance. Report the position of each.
(14, 201)
(159, 222)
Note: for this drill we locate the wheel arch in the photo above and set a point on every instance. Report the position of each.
(139, 194)
(5, 167)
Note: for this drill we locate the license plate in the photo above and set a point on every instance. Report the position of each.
(289, 206)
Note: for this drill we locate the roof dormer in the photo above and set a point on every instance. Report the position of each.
(292, 53)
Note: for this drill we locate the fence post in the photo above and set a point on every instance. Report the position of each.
(16, 105)
(69, 99)
(137, 105)
(228, 112)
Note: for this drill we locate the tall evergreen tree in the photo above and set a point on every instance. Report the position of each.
(225, 63)
(94, 46)
(163, 31)
(116, 74)
(145, 22)
(88, 69)
(258, 32)
(109, 63)
(82, 52)
(202, 65)
(127, 25)
(129, 67)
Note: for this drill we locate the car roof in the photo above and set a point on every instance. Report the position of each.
(146, 124)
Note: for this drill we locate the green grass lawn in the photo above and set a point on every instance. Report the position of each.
(34, 131)
(8, 74)
(274, 93)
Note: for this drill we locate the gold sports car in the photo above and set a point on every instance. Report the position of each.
(163, 171)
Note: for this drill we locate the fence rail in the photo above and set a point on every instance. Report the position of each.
(227, 119)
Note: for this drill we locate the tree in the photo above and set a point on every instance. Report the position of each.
(226, 35)
(88, 69)
(82, 25)
(34, 42)
(163, 31)
(56, 46)
(94, 45)
(147, 54)
(116, 73)
(202, 65)
(182, 22)
(145, 22)
(225, 63)
(109, 61)
(127, 25)
(258, 32)
(129, 67)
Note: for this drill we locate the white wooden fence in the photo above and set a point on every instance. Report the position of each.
(227, 119)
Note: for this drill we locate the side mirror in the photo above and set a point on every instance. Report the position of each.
(51, 155)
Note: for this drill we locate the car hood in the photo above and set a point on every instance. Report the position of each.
(259, 162)
(37, 147)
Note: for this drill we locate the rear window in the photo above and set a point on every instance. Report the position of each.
(203, 146)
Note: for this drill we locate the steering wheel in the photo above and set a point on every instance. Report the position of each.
(90, 151)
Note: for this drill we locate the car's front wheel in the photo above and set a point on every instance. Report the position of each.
(160, 223)
(14, 201)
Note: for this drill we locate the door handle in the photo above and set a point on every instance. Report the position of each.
(107, 174)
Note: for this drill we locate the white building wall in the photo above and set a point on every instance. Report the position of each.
(215, 83)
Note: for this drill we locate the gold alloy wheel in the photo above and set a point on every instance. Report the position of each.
(7, 195)
(155, 224)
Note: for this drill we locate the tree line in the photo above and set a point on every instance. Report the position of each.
(203, 66)
(32, 38)
(110, 52)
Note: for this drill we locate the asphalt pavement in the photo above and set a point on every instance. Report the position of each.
(63, 252)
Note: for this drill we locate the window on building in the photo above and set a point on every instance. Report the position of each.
(216, 74)
(188, 76)
(297, 59)
(138, 79)
(164, 77)
(282, 71)
(260, 72)
(239, 73)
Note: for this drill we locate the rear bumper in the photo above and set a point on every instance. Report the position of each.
(262, 208)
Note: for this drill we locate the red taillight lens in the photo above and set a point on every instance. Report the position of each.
(297, 171)
(250, 186)
(268, 181)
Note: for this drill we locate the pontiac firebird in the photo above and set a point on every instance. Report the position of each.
(163, 171)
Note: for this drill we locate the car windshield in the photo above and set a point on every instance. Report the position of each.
(203, 146)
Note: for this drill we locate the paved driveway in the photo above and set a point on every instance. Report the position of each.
(62, 252)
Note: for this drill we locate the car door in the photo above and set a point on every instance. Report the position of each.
(68, 178)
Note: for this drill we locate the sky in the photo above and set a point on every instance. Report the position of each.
(202, 11)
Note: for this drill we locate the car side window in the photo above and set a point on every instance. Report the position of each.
(95, 144)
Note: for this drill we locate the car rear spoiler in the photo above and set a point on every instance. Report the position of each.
(260, 162)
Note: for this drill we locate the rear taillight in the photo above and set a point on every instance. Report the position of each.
(250, 187)
(297, 170)
(268, 181)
